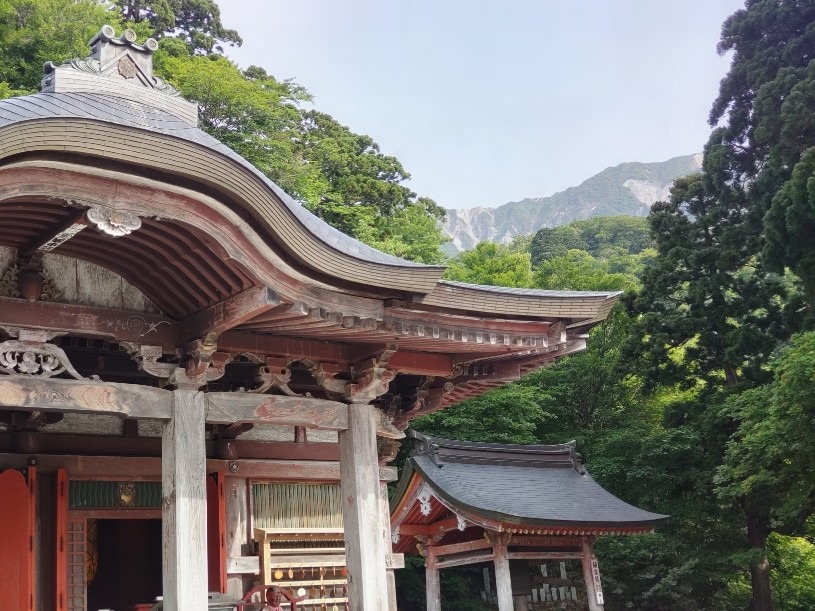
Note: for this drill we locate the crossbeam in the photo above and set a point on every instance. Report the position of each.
(140, 402)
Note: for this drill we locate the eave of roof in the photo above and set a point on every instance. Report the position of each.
(503, 489)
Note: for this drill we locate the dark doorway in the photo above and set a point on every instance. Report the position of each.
(128, 564)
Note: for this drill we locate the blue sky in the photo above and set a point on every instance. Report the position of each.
(486, 102)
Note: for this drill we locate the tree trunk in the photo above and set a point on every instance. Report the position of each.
(757, 532)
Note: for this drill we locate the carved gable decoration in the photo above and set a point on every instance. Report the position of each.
(120, 67)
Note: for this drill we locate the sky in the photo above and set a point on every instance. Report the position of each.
(490, 101)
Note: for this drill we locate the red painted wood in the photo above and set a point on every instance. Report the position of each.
(17, 536)
(216, 532)
(62, 541)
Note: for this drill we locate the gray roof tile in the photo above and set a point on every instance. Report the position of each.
(540, 485)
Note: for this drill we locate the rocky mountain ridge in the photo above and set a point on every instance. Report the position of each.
(628, 189)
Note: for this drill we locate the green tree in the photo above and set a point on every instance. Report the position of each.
(577, 270)
(492, 264)
(770, 458)
(709, 315)
(764, 111)
(551, 242)
(196, 22)
(33, 32)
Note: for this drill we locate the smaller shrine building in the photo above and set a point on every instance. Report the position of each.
(462, 503)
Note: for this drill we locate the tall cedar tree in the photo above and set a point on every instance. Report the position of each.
(764, 111)
(710, 315)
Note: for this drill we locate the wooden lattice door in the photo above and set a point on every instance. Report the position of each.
(17, 536)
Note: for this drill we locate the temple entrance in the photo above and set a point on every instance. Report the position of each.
(124, 563)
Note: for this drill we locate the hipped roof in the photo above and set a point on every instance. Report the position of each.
(536, 485)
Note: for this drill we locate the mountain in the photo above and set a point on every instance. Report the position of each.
(629, 188)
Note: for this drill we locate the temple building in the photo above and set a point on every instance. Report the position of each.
(510, 509)
(201, 383)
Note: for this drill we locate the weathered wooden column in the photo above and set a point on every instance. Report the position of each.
(591, 575)
(361, 511)
(432, 580)
(503, 580)
(184, 503)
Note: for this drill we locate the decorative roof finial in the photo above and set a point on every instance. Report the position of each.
(118, 67)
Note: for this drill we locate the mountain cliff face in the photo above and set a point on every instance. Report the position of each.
(629, 188)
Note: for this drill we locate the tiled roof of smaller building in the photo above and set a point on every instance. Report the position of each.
(518, 484)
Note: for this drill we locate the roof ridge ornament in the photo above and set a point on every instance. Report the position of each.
(120, 67)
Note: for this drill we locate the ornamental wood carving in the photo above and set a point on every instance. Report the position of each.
(35, 359)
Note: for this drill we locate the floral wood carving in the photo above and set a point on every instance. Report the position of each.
(115, 223)
(8, 282)
(35, 359)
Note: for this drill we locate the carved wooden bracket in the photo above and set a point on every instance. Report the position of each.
(32, 356)
(374, 380)
(205, 363)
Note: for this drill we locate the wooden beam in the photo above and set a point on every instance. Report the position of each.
(422, 363)
(364, 544)
(149, 469)
(55, 236)
(119, 325)
(457, 548)
(184, 504)
(227, 314)
(544, 555)
(429, 530)
(228, 407)
(43, 394)
(464, 560)
(291, 348)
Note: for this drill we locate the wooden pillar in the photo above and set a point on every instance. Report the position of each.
(591, 575)
(433, 581)
(237, 529)
(184, 504)
(503, 580)
(385, 516)
(364, 536)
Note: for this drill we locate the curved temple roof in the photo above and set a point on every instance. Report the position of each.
(534, 485)
(105, 132)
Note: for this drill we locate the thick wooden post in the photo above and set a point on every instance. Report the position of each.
(503, 581)
(364, 536)
(432, 579)
(591, 575)
(184, 504)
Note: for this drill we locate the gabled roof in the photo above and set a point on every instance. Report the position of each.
(534, 485)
